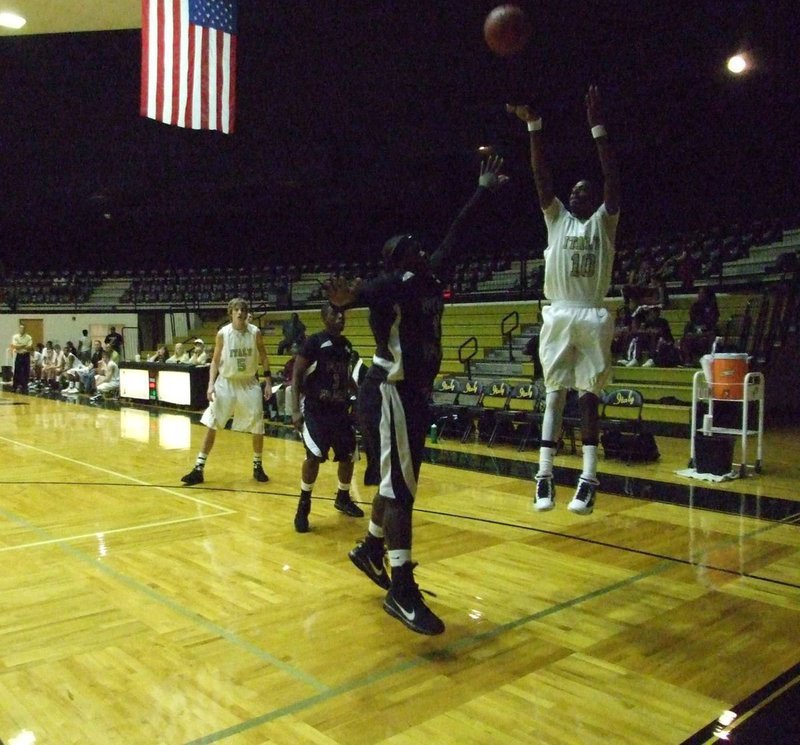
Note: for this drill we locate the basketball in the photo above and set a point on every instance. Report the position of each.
(506, 30)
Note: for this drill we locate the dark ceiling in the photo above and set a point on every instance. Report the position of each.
(359, 119)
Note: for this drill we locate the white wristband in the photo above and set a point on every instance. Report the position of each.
(535, 125)
(599, 131)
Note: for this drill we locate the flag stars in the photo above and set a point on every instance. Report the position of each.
(217, 14)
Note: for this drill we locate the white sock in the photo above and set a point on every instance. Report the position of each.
(589, 463)
(399, 556)
(545, 462)
(375, 530)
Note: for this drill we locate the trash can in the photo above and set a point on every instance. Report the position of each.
(713, 453)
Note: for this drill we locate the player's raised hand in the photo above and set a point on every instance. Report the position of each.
(342, 291)
(490, 176)
(594, 108)
(522, 111)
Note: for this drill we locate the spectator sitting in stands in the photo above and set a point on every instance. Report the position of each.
(644, 286)
(179, 355)
(701, 330)
(198, 355)
(160, 355)
(112, 352)
(294, 332)
(623, 325)
(687, 268)
(37, 362)
(651, 335)
(107, 382)
(87, 374)
(48, 360)
(52, 370)
(97, 353)
(70, 375)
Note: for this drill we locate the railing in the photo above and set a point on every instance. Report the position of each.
(462, 355)
(507, 330)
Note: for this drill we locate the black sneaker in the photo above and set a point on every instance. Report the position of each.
(258, 473)
(583, 501)
(348, 506)
(301, 516)
(404, 602)
(372, 565)
(545, 497)
(195, 476)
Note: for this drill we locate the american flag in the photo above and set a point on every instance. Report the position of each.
(189, 63)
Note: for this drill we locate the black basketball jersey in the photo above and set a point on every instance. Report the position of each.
(405, 315)
(327, 378)
(405, 311)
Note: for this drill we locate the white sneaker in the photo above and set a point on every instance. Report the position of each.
(631, 363)
(583, 501)
(623, 361)
(649, 363)
(544, 497)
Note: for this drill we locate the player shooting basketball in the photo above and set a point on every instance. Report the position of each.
(576, 334)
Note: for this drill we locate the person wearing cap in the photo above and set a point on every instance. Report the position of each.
(198, 355)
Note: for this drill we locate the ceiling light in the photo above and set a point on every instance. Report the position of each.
(11, 20)
(737, 64)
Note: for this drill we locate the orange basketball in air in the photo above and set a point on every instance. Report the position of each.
(507, 30)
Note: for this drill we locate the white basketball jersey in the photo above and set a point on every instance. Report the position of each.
(579, 257)
(239, 353)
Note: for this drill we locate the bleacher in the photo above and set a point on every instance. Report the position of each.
(492, 311)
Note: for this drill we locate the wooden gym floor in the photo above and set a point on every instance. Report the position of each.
(139, 611)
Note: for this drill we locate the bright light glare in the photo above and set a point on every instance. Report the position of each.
(26, 737)
(11, 20)
(737, 64)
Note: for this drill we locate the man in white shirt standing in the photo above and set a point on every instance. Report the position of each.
(22, 344)
(576, 335)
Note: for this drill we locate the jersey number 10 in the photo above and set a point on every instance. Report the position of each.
(583, 265)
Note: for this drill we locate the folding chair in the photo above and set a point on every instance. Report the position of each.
(494, 400)
(514, 421)
(444, 401)
(467, 409)
(621, 409)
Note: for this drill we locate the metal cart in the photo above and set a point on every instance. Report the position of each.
(752, 391)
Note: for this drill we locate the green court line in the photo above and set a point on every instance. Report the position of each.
(326, 693)
(174, 606)
(468, 641)
(430, 657)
